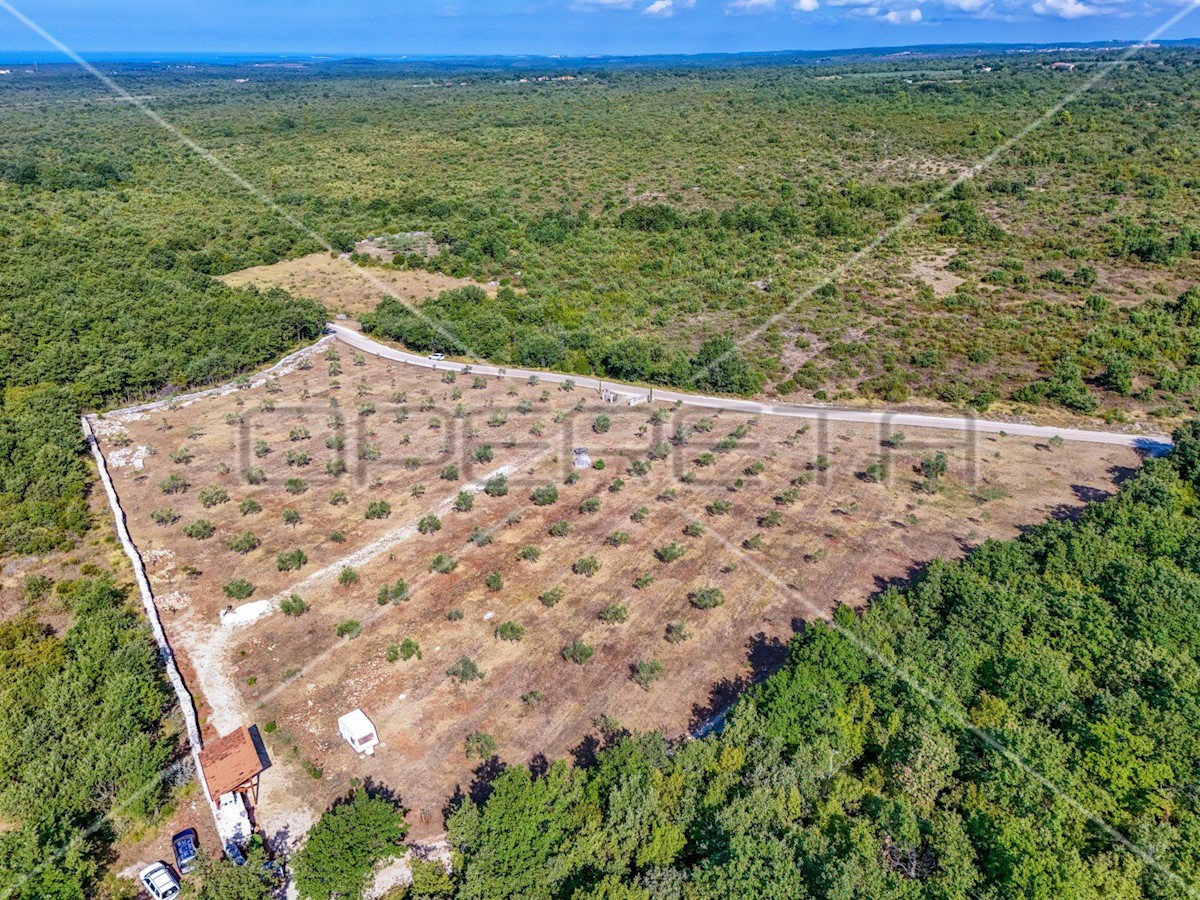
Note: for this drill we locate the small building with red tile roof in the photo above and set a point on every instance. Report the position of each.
(232, 765)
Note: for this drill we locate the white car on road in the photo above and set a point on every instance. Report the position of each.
(159, 882)
(437, 357)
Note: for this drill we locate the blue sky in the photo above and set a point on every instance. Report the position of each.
(573, 26)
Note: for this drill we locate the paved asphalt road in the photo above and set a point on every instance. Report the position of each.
(1151, 443)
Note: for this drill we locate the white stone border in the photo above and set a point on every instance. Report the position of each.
(184, 698)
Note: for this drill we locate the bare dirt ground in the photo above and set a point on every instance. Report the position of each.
(803, 531)
(345, 287)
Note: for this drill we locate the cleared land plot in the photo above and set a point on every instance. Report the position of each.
(345, 287)
(778, 522)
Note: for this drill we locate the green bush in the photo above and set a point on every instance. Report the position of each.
(544, 496)
(379, 509)
(509, 631)
(244, 543)
(350, 628)
(239, 589)
(202, 529)
(465, 670)
(293, 605)
(577, 652)
(291, 560)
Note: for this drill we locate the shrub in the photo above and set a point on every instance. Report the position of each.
(295, 486)
(496, 486)
(643, 581)
(551, 597)
(645, 673)
(578, 652)
(704, 460)
(465, 670)
(483, 453)
(719, 507)
(677, 633)
(876, 472)
(244, 542)
(479, 745)
(587, 566)
(299, 434)
(249, 507)
(393, 593)
(772, 519)
(379, 509)
(408, 649)
(35, 587)
(164, 516)
(494, 581)
(255, 475)
(601, 424)
(529, 553)
(335, 467)
(614, 614)
(532, 698)
(443, 564)
(617, 484)
(560, 528)
(454, 615)
(291, 560)
(449, 473)
(336, 537)
(464, 502)
(640, 514)
(544, 495)
(661, 450)
(338, 498)
(291, 517)
(429, 524)
(348, 576)
(670, 552)
(510, 631)
(706, 598)
(239, 589)
(694, 529)
(212, 496)
(480, 537)
(590, 506)
(617, 539)
(639, 467)
(293, 605)
(350, 628)
(261, 449)
(174, 484)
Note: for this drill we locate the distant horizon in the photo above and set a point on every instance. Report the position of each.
(572, 28)
(218, 57)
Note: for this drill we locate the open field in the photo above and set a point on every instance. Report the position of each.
(344, 287)
(782, 521)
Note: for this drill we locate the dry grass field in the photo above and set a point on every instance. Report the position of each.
(774, 523)
(345, 287)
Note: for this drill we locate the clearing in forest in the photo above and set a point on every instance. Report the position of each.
(342, 286)
(448, 570)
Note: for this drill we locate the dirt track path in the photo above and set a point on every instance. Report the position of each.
(1149, 442)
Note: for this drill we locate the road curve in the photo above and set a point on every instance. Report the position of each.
(1150, 443)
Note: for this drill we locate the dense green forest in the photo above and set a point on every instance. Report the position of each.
(634, 213)
(84, 747)
(1019, 724)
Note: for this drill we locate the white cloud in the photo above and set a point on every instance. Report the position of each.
(806, 5)
(903, 16)
(965, 5)
(749, 6)
(1064, 9)
(666, 8)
